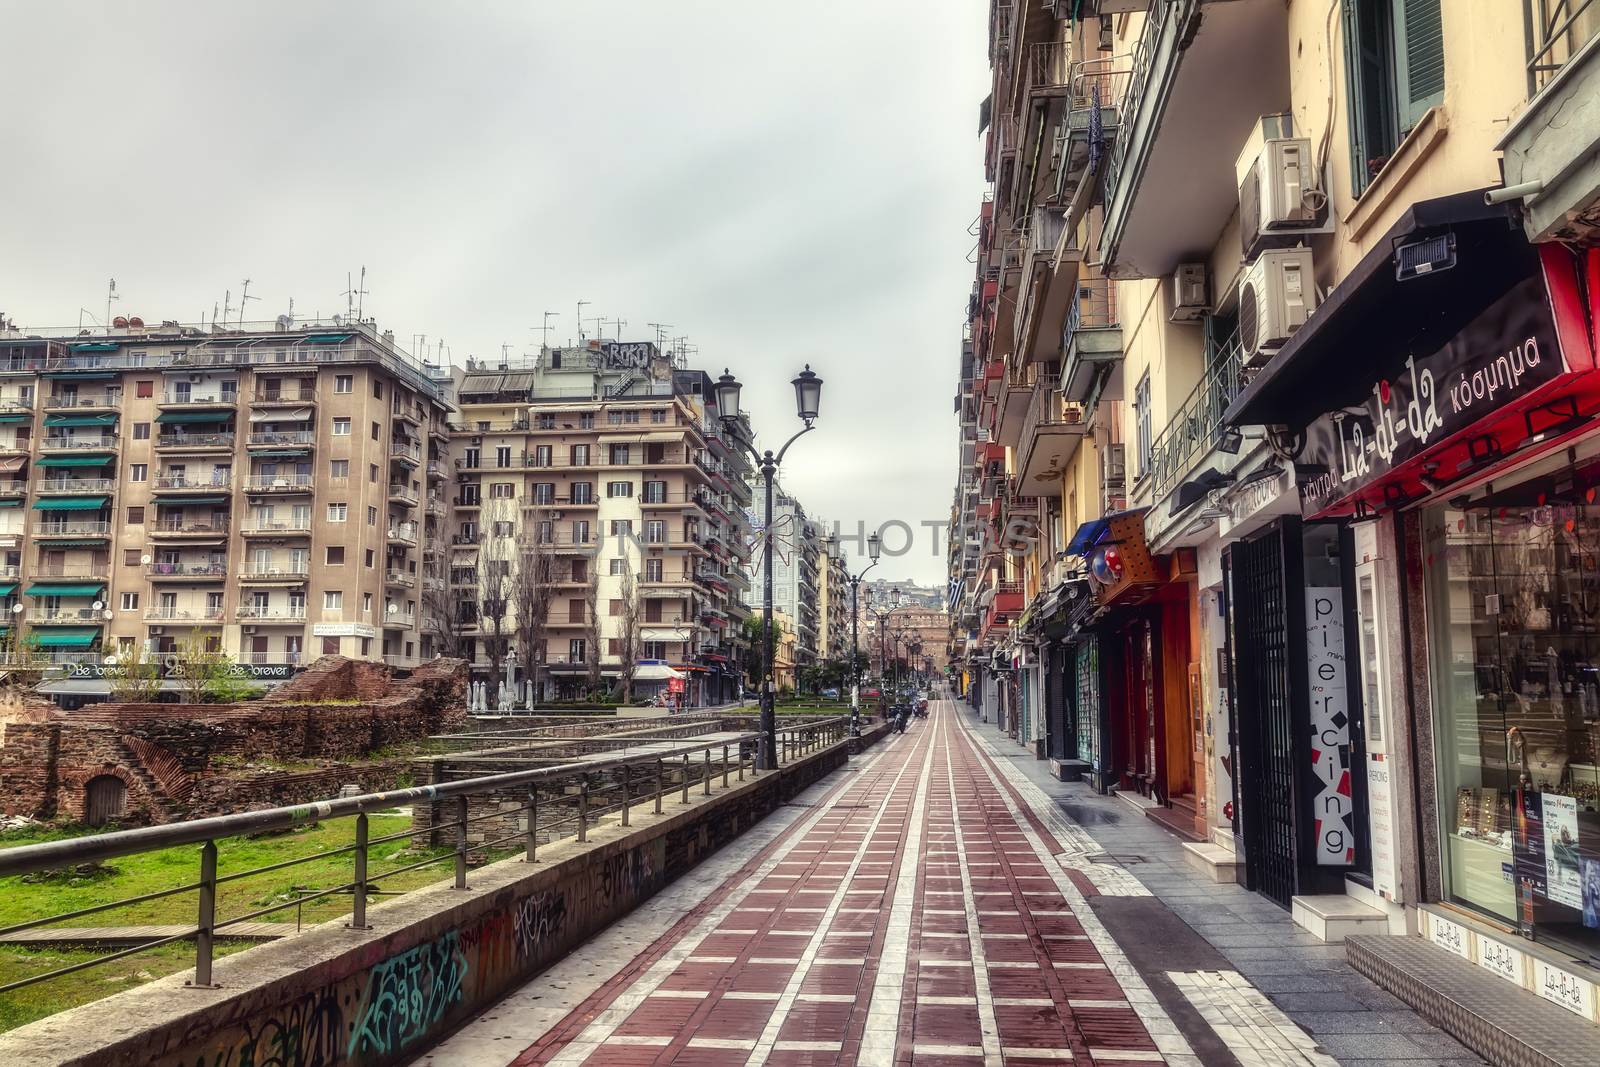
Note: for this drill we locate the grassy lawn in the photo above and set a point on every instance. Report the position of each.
(33, 897)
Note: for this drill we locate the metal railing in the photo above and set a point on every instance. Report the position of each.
(76, 485)
(1197, 426)
(284, 483)
(1554, 31)
(403, 492)
(294, 526)
(188, 526)
(306, 395)
(1047, 408)
(282, 437)
(172, 397)
(251, 611)
(288, 573)
(181, 481)
(195, 440)
(291, 658)
(103, 440)
(186, 570)
(1157, 20)
(78, 528)
(162, 614)
(553, 802)
(397, 450)
(97, 399)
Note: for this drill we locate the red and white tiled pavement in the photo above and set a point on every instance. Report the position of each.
(915, 914)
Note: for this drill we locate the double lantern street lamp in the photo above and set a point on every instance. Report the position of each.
(881, 617)
(874, 550)
(807, 399)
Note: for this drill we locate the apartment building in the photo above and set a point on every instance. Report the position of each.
(259, 487)
(609, 458)
(834, 607)
(1309, 579)
(797, 574)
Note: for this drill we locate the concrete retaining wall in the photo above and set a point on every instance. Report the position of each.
(432, 960)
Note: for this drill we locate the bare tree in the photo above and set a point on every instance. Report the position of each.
(531, 588)
(629, 636)
(444, 619)
(497, 557)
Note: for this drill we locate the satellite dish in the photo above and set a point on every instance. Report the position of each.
(99, 605)
(16, 609)
(284, 322)
(145, 559)
(110, 614)
(110, 661)
(393, 608)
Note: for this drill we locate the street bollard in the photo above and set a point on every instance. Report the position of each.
(204, 938)
(358, 905)
(533, 824)
(461, 842)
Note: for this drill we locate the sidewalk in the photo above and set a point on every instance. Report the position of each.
(1351, 1018)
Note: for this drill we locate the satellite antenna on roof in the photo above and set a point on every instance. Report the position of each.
(661, 329)
(244, 299)
(111, 294)
(544, 331)
(581, 305)
(353, 296)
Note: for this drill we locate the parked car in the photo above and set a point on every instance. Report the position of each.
(830, 694)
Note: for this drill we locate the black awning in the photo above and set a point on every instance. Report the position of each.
(985, 113)
(1372, 321)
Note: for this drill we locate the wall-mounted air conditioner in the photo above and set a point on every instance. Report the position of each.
(1282, 196)
(1190, 293)
(1276, 296)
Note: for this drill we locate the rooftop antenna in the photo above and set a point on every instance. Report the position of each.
(361, 294)
(544, 331)
(111, 294)
(599, 322)
(227, 306)
(661, 329)
(581, 305)
(244, 299)
(619, 324)
(291, 311)
(353, 296)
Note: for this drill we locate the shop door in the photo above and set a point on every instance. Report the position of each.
(1265, 778)
(1058, 724)
(1139, 666)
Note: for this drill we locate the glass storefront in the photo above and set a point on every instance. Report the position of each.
(1513, 616)
(1086, 671)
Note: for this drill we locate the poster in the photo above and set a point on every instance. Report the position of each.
(1330, 726)
(1381, 817)
(1591, 893)
(1529, 855)
(1561, 850)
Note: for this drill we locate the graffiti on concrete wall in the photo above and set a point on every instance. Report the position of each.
(308, 1032)
(407, 995)
(538, 921)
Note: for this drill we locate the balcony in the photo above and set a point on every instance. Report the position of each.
(1553, 141)
(1196, 88)
(199, 616)
(409, 454)
(1051, 433)
(195, 442)
(207, 527)
(284, 398)
(73, 528)
(13, 445)
(287, 656)
(435, 469)
(289, 484)
(291, 528)
(293, 614)
(174, 572)
(403, 495)
(1194, 431)
(1091, 344)
(16, 405)
(269, 574)
(174, 483)
(399, 619)
(1012, 405)
(404, 533)
(399, 580)
(108, 399)
(98, 570)
(435, 507)
(405, 413)
(296, 439)
(188, 398)
(65, 616)
(68, 442)
(70, 486)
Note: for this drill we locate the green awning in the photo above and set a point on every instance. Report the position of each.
(65, 638)
(195, 416)
(80, 420)
(71, 503)
(81, 375)
(328, 338)
(15, 418)
(95, 346)
(282, 453)
(79, 543)
(11, 503)
(8, 588)
(81, 589)
(185, 501)
(97, 459)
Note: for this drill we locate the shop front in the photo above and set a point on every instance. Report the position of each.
(1457, 433)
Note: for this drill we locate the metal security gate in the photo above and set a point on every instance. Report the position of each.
(1058, 721)
(1266, 749)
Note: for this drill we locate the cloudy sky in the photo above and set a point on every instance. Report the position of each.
(781, 183)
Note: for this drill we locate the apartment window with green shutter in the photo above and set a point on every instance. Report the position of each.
(1394, 66)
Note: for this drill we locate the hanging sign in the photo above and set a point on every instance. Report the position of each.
(1330, 726)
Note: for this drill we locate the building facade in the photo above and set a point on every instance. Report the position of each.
(268, 491)
(1278, 515)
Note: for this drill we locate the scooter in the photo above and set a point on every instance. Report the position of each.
(900, 720)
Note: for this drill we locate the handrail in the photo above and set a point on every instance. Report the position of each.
(1554, 36)
(1197, 425)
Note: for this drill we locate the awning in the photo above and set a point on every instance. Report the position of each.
(96, 459)
(80, 375)
(481, 383)
(8, 588)
(1372, 320)
(80, 420)
(185, 501)
(1090, 533)
(71, 503)
(65, 638)
(95, 346)
(190, 417)
(655, 672)
(8, 419)
(77, 543)
(281, 453)
(985, 113)
(11, 503)
(517, 383)
(12, 464)
(295, 415)
(328, 338)
(80, 589)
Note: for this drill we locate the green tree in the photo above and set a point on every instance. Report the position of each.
(205, 674)
(135, 678)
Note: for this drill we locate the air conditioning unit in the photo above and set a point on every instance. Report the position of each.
(247, 629)
(157, 631)
(1281, 195)
(1276, 296)
(1190, 300)
(1114, 466)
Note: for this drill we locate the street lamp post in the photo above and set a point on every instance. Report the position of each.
(808, 397)
(882, 619)
(874, 549)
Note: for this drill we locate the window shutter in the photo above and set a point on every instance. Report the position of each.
(1418, 58)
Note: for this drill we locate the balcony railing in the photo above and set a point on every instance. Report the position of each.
(1093, 308)
(1196, 428)
(403, 619)
(402, 578)
(406, 531)
(72, 528)
(76, 485)
(293, 613)
(1138, 81)
(290, 572)
(178, 398)
(196, 440)
(1046, 408)
(403, 492)
(183, 481)
(65, 615)
(306, 395)
(1556, 30)
(95, 569)
(286, 656)
(283, 483)
(166, 614)
(15, 405)
(402, 451)
(293, 526)
(186, 570)
(100, 440)
(186, 526)
(97, 399)
(282, 437)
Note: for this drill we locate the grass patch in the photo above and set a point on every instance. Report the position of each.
(28, 897)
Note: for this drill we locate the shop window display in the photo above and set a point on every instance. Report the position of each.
(1513, 603)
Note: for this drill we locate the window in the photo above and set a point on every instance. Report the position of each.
(502, 456)
(614, 418)
(377, 431)
(330, 645)
(141, 431)
(136, 516)
(338, 512)
(130, 557)
(371, 558)
(547, 420)
(614, 607)
(616, 489)
(130, 601)
(621, 527)
(616, 566)
(619, 455)
(652, 570)
(580, 455)
(372, 516)
(544, 493)
(655, 531)
(138, 472)
(586, 420)
(580, 532)
(1141, 421)
(582, 492)
(332, 600)
(335, 556)
(144, 388)
(658, 416)
(502, 490)
(377, 389)
(577, 650)
(366, 604)
(1394, 63)
(655, 492)
(613, 647)
(341, 427)
(541, 456)
(338, 468)
(344, 383)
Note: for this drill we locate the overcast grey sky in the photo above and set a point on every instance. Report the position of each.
(782, 183)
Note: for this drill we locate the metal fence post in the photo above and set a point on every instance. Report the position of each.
(705, 783)
(461, 842)
(686, 778)
(533, 824)
(627, 791)
(661, 783)
(724, 766)
(741, 761)
(203, 939)
(583, 808)
(358, 912)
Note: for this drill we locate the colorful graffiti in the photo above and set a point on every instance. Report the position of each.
(407, 995)
(307, 1032)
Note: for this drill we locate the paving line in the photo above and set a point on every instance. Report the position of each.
(989, 1029)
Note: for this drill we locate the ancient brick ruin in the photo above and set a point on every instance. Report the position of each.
(338, 723)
